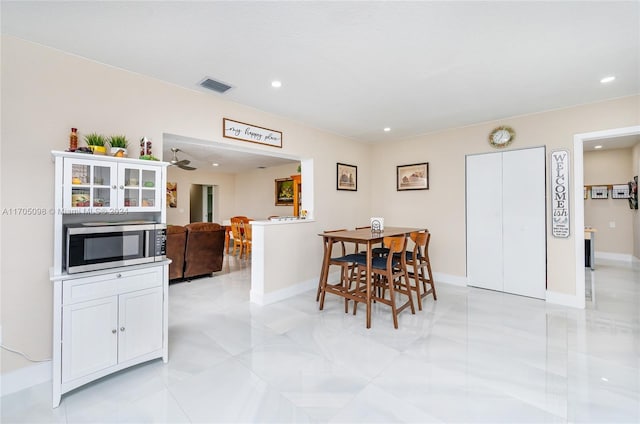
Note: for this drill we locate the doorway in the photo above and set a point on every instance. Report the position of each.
(203, 203)
(578, 201)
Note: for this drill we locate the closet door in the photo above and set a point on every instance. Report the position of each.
(484, 221)
(524, 230)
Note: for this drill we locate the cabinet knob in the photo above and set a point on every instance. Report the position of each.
(114, 331)
(121, 328)
(121, 187)
(114, 186)
(118, 275)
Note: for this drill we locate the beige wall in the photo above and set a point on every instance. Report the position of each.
(255, 192)
(46, 92)
(442, 207)
(608, 167)
(226, 192)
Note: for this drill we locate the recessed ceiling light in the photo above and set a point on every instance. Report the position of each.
(276, 84)
(607, 79)
(215, 164)
(597, 147)
(387, 129)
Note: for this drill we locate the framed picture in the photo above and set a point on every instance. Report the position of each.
(284, 192)
(346, 177)
(413, 177)
(172, 195)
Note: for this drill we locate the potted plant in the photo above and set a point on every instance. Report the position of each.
(96, 143)
(118, 145)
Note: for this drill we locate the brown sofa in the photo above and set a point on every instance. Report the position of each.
(203, 249)
(176, 242)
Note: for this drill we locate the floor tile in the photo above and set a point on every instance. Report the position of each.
(472, 356)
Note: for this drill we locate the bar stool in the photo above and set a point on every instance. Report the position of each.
(419, 266)
(346, 262)
(389, 273)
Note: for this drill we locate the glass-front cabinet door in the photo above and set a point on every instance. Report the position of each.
(89, 186)
(140, 187)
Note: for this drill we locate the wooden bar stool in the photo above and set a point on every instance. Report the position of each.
(345, 261)
(390, 273)
(419, 266)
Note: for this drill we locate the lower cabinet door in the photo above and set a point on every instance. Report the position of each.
(89, 337)
(140, 325)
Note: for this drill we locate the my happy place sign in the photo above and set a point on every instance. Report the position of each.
(252, 133)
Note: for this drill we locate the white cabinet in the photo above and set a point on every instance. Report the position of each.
(110, 321)
(90, 338)
(139, 323)
(506, 221)
(96, 186)
(105, 321)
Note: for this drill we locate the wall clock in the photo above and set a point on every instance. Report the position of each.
(502, 136)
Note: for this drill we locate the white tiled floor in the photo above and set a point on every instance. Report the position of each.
(472, 356)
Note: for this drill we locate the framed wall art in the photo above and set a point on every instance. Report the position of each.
(172, 195)
(346, 177)
(251, 133)
(284, 192)
(413, 177)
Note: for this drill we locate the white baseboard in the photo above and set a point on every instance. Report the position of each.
(454, 280)
(285, 293)
(624, 257)
(22, 378)
(564, 299)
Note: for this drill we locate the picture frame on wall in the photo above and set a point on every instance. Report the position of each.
(284, 191)
(172, 194)
(346, 177)
(413, 177)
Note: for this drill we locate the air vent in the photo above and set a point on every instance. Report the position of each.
(214, 85)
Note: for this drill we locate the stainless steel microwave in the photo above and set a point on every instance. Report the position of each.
(93, 246)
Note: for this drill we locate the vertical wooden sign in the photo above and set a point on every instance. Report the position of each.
(560, 193)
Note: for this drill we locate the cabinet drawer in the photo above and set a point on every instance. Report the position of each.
(95, 287)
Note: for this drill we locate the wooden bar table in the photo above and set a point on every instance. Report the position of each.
(363, 236)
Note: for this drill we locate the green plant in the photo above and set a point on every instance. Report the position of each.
(118, 141)
(94, 139)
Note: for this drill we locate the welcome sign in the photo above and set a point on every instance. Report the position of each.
(560, 193)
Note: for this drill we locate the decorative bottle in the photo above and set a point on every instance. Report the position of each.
(73, 140)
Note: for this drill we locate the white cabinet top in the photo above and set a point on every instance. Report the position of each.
(107, 158)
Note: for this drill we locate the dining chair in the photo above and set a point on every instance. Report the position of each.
(236, 233)
(390, 274)
(419, 266)
(246, 241)
(227, 238)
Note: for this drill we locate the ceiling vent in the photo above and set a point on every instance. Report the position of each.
(217, 86)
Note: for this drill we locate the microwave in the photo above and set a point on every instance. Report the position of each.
(93, 246)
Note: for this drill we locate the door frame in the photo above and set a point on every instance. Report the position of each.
(578, 201)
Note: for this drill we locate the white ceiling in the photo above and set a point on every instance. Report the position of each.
(353, 68)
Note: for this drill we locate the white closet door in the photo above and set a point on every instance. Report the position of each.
(484, 221)
(524, 230)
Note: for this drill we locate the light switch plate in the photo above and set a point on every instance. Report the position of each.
(612, 224)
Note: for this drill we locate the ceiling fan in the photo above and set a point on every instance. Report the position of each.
(182, 164)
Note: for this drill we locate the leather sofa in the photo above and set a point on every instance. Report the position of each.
(202, 249)
(176, 243)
